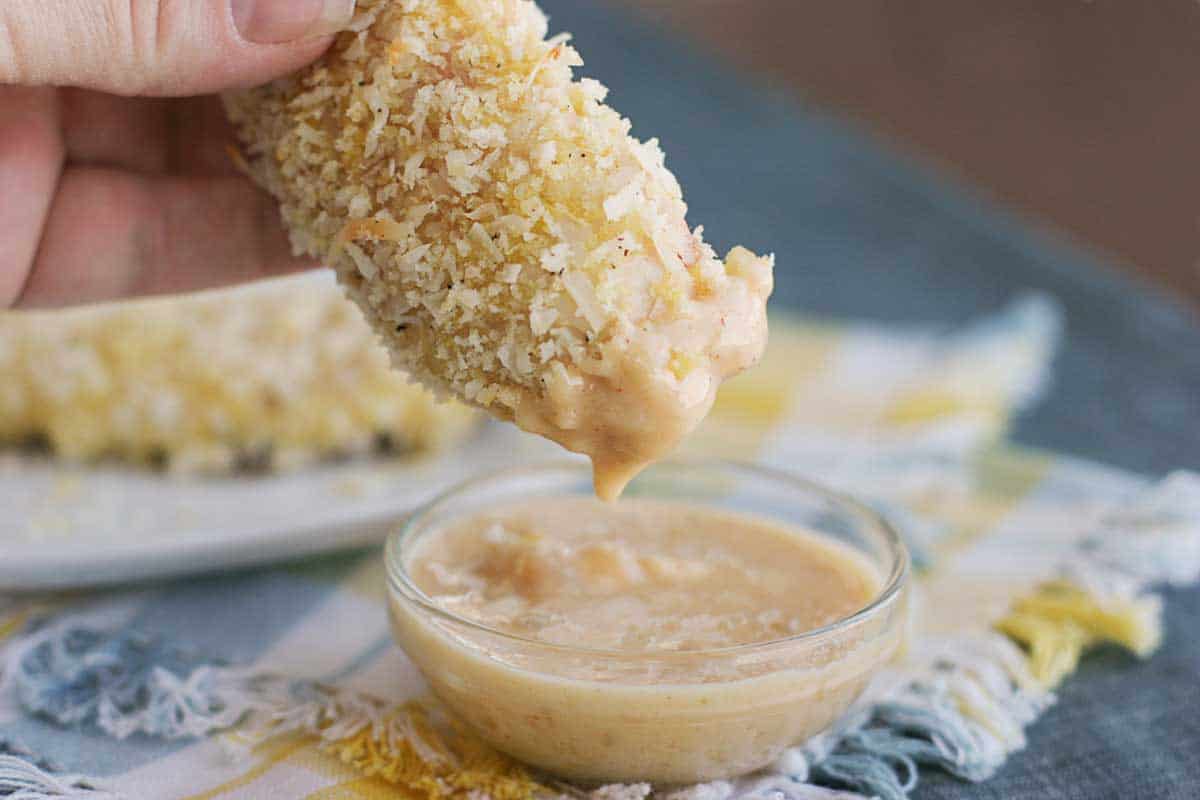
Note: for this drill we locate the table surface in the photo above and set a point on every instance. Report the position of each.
(858, 231)
(1078, 113)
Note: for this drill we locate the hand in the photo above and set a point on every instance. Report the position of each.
(109, 187)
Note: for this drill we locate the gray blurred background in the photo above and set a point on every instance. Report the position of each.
(1081, 116)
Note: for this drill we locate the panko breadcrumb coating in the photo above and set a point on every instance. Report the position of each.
(272, 376)
(502, 231)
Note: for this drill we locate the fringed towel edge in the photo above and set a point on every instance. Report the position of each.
(961, 704)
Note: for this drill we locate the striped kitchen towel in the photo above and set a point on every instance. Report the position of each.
(284, 682)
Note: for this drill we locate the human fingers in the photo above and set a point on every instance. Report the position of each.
(182, 136)
(31, 159)
(102, 129)
(162, 47)
(113, 234)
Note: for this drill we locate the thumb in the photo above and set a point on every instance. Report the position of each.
(162, 47)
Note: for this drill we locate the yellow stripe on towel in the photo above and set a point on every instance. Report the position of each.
(1059, 621)
(417, 758)
(750, 406)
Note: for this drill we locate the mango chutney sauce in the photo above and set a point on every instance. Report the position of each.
(643, 640)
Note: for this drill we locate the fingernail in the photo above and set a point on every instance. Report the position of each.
(279, 21)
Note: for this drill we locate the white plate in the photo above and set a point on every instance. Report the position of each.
(63, 526)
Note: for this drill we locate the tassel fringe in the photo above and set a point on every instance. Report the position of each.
(960, 704)
(125, 683)
(24, 777)
(1103, 595)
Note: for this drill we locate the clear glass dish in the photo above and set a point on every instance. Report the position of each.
(664, 717)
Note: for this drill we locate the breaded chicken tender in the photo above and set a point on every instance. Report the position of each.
(501, 230)
(270, 377)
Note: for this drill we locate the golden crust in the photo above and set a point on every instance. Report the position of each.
(276, 375)
(490, 214)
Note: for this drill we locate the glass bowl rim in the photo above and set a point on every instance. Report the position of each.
(401, 585)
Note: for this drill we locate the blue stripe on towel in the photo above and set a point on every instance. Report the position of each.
(233, 617)
(236, 617)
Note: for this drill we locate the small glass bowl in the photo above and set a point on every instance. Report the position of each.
(663, 717)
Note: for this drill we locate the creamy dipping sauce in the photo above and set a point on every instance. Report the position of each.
(642, 575)
(651, 376)
(643, 632)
